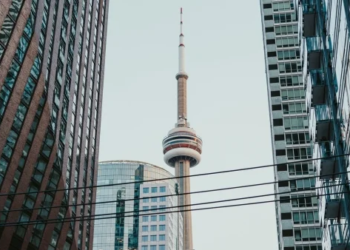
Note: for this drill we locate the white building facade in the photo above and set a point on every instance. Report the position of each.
(297, 212)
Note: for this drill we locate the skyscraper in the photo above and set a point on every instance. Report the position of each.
(297, 216)
(326, 45)
(51, 80)
(182, 147)
(138, 228)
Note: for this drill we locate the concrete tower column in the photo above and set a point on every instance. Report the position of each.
(182, 168)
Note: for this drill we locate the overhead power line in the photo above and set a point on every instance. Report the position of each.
(176, 177)
(146, 212)
(170, 195)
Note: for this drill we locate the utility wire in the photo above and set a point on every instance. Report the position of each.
(170, 195)
(176, 177)
(146, 212)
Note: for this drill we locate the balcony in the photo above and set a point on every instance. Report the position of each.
(309, 24)
(332, 208)
(318, 88)
(323, 131)
(328, 166)
(314, 60)
(339, 236)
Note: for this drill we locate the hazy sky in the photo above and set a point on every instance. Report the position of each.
(227, 105)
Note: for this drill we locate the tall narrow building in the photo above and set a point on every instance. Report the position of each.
(326, 45)
(51, 79)
(182, 147)
(297, 216)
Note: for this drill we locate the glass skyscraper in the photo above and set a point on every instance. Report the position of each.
(297, 212)
(138, 207)
(51, 80)
(326, 46)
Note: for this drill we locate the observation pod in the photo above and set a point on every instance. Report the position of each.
(182, 144)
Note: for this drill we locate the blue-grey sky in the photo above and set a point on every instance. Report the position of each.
(227, 105)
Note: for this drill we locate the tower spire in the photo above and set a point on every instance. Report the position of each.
(182, 71)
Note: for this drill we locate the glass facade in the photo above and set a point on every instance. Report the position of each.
(142, 226)
(298, 225)
(52, 60)
(326, 46)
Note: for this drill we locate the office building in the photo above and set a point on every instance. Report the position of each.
(326, 69)
(51, 79)
(297, 213)
(134, 211)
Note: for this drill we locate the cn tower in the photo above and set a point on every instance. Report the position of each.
(182, 147)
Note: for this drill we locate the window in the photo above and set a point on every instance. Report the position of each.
(304, 184)
(297, 122)
(270, 41)
(153, 247)
(283, 6)
(293, 94)
(273, 67)
(279, 137)
(307, 247)
(274, 80)
(153, 228)
(285, 17)
(144, 248)
(287, 233)
(271, 54)
(276, 107)
(154, 218)
(288, 54)
(144, 238)
(309, 217)
(161, 237)
(304, 201)
(144, 228)
(297, 138)
(284, 199)
(290, 67)
(145, 200)
(162, 189)
(284, 42)
(277, 122)
(280, 152)
(281, 167)
(275, 93)
(162, 199)
(287, 81)
(145, 208)
(300, 169)
(268, 17)
(154, 208)
(145, 190)
(154, 189)
(299, 153)
(283, 184)
(154, 199)
(294, 108)
(286, 29)
(161, 217)
(269, 29)
(161, 247)
(144, 218)
(286, 216)
(153, 238)
(161, 227)
(308, 234)
(162, 208)
(267, 6)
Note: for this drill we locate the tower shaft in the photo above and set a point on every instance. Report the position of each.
(182, 98)
(182, 168)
